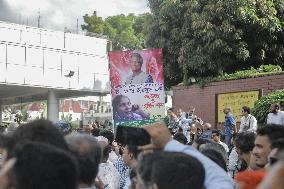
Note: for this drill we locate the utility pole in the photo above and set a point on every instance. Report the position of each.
(38, 20)
(77, 29)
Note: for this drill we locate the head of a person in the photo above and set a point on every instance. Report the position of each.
(136, 62)
(199, 141)
(122, 106)
(38, 131)
(244, 143)
(170, 111)
(88, 153)
(216, 157)
(227, 110)
(180, 138)
(180, 112)
(276, 148)
(216, 147)
(275, 107)
(191, 110)
(207, 127)
(245, 110)
(87, 129)
(107, 134)
(130, 155)
(167, 170)
(266, 135)
(41, 166)
(216, 135)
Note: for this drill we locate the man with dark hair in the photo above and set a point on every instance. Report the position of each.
(199, 141)
(180, 137)
(110, 136)
(168, 170)
(137, 76)
(88, 153)
(216, 147)
(41, 166)
(216, 137)
(248, 121)
(266, 135)
(130, 158)
(229, 125)
(39, 131)
(275, 116)
(244, 145)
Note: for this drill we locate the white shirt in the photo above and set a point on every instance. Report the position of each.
(225, 146)
(277, 118)
(109, 175)
(248, 123)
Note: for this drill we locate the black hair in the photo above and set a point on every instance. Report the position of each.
(276, 105)
(42, 166)
(106, 152)
(245, 141)
(38, 131)
(217, 132)
(96, 132)
(273, 132)
(216, 157)
(133, 150)
(88, 153)
(109, 135)
(171, 170)
(180, 137)
(246, 109)
(200, 141)
(278, 144)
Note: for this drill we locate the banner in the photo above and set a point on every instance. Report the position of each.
(235, 101)
(137, 83)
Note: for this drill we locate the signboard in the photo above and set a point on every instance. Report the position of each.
(137, 85)
(235, 101)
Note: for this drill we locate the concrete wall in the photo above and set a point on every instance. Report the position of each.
(204, 99)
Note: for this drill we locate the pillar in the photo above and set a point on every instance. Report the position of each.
(52, 106)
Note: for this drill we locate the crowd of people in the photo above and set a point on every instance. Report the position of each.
(185, 152)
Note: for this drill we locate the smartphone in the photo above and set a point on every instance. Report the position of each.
(132, 135)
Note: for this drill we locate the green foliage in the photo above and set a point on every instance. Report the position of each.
(205, 38)
(252, 72)
(125, 32)
(261, 107)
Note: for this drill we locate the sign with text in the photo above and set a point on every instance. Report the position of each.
(137, 86)
(235, 101)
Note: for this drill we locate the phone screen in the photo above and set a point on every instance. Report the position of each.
(132, 135)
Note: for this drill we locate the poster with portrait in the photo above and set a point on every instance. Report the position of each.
(137, 84)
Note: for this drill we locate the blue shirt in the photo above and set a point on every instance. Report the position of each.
(229, 124)
(215, 176)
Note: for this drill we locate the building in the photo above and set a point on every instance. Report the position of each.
(38, 64)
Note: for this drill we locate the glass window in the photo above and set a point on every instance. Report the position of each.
(2, 53)
(16, 50)
(34, 57)
(16, 73)
(70, 61)
(52, 59)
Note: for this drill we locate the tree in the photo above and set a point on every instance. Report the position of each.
(204, 38)
(125, 32)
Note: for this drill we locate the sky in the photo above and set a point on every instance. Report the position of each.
(58, 14)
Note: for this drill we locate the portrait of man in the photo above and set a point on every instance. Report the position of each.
(137, 76)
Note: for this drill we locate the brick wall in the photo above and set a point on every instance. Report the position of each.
(204, 99)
